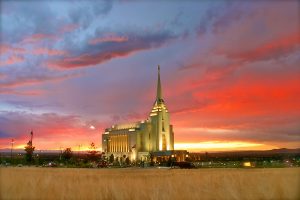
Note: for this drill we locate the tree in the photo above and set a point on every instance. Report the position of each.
(122, 159)
(92, 153)
(67, 154)
(29, 151)
(111, 158)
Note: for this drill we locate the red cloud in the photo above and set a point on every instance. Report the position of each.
(38, 37)
(23, 93)
(87, 59)
(50, 130)
(253, 94)
(111, 38)
(5, 48)
(272, 49)
(254, 98)
(13, 59)
(230, 117)
(46, 51)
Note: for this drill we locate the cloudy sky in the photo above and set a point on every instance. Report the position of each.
(230, 71)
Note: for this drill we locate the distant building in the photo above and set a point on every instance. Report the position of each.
(137, 140)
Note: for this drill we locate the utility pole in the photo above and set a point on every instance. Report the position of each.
(31, 136)
(11, 151)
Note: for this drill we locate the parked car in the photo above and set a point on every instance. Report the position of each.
(52, 164)
(182, 165)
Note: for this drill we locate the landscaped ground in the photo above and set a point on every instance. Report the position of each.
(130, 183)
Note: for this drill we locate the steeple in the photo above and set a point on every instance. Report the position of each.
(159, 93)
(159, 103)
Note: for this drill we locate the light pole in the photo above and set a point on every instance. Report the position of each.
(12, 146)
(60, 148)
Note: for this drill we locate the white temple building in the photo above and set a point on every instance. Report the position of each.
(137, 140)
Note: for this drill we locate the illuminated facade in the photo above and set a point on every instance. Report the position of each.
(137, 140)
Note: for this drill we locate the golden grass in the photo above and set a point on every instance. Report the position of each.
(63, 183)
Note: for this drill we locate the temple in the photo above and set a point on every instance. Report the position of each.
(137, 140)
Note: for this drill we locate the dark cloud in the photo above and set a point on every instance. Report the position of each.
(99, 53)
(88, 11)
(22, 19)
(32, 105)
(27, 76)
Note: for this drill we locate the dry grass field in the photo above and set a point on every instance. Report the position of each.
(63, 183)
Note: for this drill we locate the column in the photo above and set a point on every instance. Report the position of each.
(127, 142)
(114, 143)
(121, 141)
(118, 143)
(107, 144)
(124, 142)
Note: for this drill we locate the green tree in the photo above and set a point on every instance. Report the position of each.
(117, 161)
(29, 152)
(67, 154)
(127, 161)
(92, 153)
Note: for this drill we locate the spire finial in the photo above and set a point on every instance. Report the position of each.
(158, 95)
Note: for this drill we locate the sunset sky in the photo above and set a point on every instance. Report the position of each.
(230, 71)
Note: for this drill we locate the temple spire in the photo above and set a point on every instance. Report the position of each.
(158, 94)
